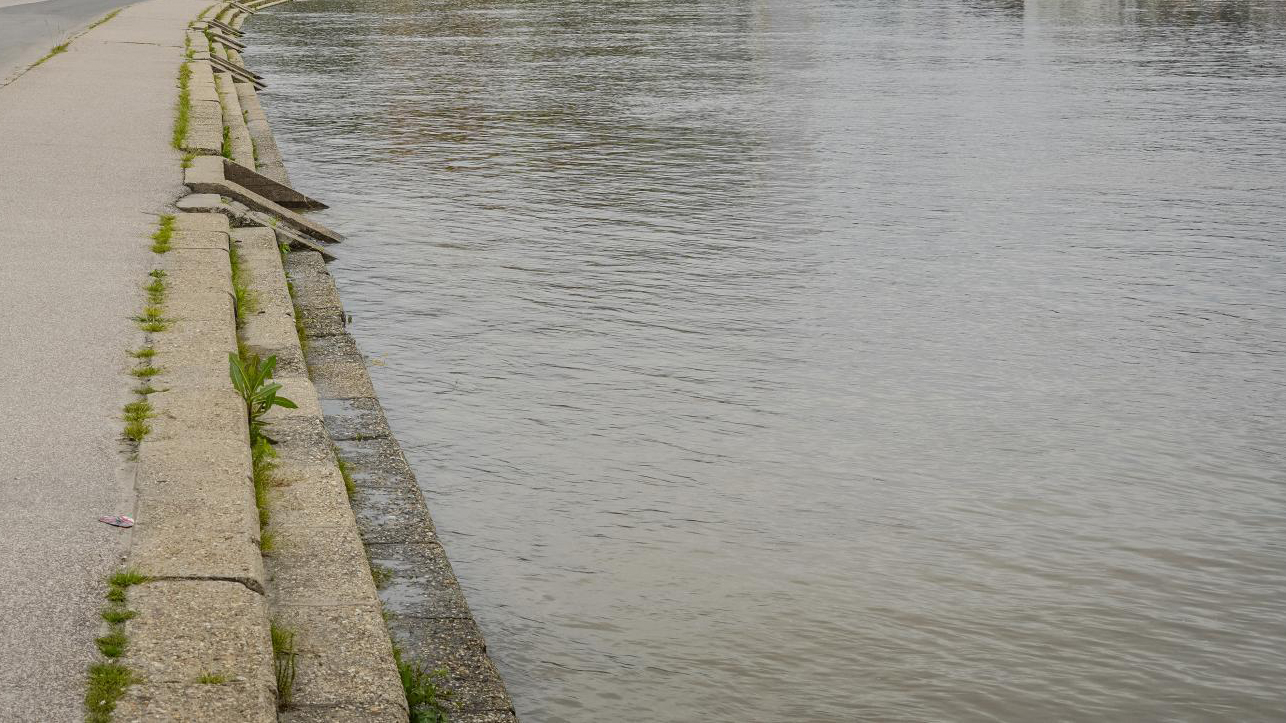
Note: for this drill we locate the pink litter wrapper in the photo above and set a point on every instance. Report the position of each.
(117, 520)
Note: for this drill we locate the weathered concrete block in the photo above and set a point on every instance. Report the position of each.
(320, 566)
(190, 269)
(238, 136)
(337, 368)
(316, 297)
(308, 495)
(364, 676)
(355, 419)
(205, 175)
(191, 702)
(377, 463)
(197, 40)
(208, 415)
(300, 391)
(212, 337)
(268, 188)
(457, 646)
(300, 438)
(391, 514)
(337, 714)
(187, 628)
(205, 128)
(423, 584)
(196, 313)
(485, 716)
(197, 532)
(201, 205)
(211, 240)
(191, 367)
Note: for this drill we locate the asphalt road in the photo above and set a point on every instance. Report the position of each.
(86, 167)
(29, 29)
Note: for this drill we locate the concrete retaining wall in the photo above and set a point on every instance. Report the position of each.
(200, 644)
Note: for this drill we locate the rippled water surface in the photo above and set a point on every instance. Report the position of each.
(826, 360)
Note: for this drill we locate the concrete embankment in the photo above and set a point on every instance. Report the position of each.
(249, 590)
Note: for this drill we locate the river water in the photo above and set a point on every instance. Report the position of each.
(826, 360)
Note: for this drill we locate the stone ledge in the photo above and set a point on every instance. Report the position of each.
(423, 584)
(363, 678)
(319, 566)
(337, 368)
(457, 646)
(188, 628)
(194, 702)
(355, 419)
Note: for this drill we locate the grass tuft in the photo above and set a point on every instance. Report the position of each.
(283, 652)
(116, 615)
(344, 471)
(56, 50)
(426, 697)
(145, 372)
(263, 460)
(225, 149)
(128, 577)
(144, 352)
(381, 575)
(107, 683)
(112, 645)
(136, 416)
(245, 300)
(212, 678)
(102, 20)
(183, 111)
(161, 239)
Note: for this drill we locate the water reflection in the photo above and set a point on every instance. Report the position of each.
(826, 361)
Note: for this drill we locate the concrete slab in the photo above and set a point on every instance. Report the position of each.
(337, 368)
(377, 462)
(364, 678)
(391, 515)
(196, 703)
(355, 419)
(205, 175)
(319, 566)
(188, 628)
(457, 646)
(423, 584)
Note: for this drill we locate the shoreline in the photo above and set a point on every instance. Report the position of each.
(273, 555)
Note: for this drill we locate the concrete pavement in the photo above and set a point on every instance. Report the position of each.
(29, 29)
(85, 168)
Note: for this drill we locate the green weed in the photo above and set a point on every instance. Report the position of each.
(345, 472)
(136, 416)
(161, 239)
(381, 575)
(251, 380)
(183, 110)
(145, 372)
(116, 615)
(283, 653)
(112, 645)
(57, 50)
(426, 697)
(107, 683)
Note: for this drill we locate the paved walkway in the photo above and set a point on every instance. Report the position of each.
(29, 29)
(85, 167)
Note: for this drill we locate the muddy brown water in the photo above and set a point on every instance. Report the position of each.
(826, 360)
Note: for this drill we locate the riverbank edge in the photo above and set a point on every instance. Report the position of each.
(264, 605)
